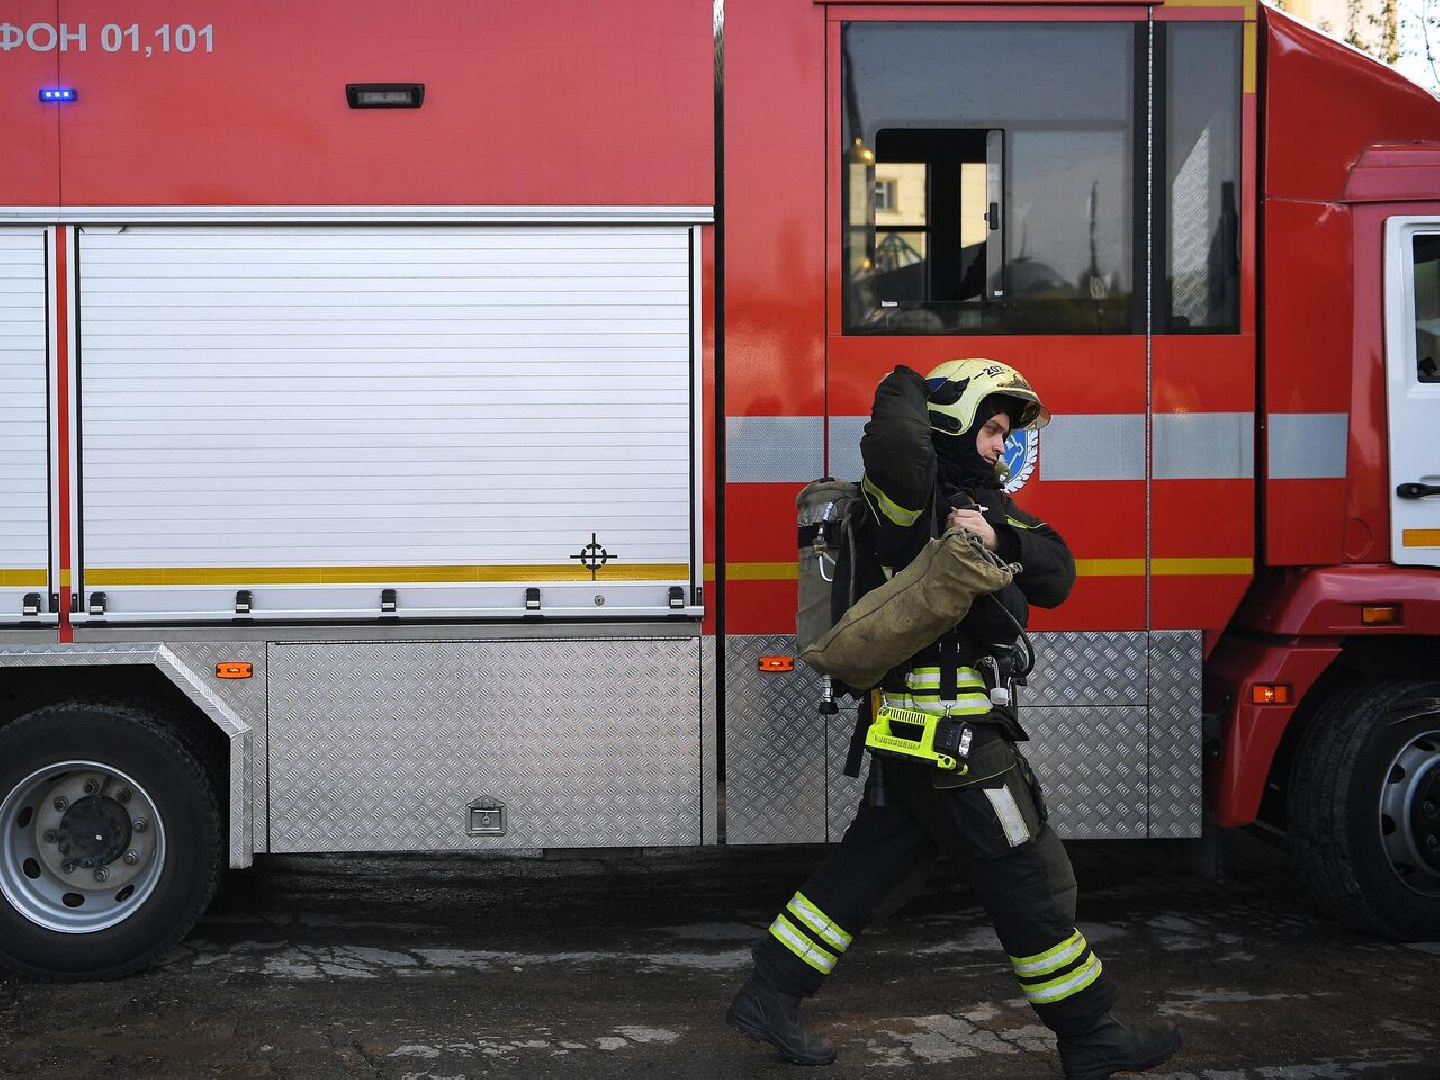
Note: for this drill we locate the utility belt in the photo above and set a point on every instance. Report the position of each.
(957, 752)
(923, 715)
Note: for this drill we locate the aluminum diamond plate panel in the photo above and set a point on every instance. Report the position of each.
(382, 746)
(246, 697)
(1092, 668)
(1092, 760)
(709, 742)
(775, 752)
(1091, 764)
(1176, 786)
(1190, 246)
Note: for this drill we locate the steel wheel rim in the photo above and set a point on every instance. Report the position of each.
(1409, 804)
(82, 846)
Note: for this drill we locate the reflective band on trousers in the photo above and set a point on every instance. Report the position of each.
(789, 935)
(801, 907)
(1047, 993)
(1051, 959)
(1062, 958)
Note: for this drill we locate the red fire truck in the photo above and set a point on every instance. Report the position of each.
(403, 414)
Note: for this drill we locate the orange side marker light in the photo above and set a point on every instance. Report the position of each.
(233, 669)
(1270, 694)
(1381, 614)
(777, 663)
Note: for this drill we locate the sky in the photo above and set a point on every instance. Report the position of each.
(1412, 42)
(1411, 45)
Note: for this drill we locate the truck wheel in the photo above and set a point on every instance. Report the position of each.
(1364, 808)
(109, 841)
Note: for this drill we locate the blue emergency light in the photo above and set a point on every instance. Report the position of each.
(58, 93)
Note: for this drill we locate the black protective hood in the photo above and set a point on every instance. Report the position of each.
(962, 469)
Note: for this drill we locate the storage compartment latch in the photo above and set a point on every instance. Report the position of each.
(485, 817)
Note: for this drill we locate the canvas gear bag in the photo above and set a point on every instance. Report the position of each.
(890, 624)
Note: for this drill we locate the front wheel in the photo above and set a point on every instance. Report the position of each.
(1364, 807)
(109, 841)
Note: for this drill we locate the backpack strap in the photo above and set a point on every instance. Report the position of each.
(856, 753)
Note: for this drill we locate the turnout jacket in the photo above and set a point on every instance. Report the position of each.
(909, 502)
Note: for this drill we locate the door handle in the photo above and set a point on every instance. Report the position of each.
(1416, 490)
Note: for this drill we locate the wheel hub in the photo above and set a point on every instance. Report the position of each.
(94, 832)
(1425, 817)
(81, 846)
(1410, 814)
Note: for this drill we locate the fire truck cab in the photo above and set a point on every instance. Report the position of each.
(403, 414)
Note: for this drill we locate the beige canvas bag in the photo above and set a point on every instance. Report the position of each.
(890, 624)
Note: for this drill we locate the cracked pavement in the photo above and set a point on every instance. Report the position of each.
(621, 964)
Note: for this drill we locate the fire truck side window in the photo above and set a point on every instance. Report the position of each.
(1201, 137)
(1427, 309)
(1006, 158)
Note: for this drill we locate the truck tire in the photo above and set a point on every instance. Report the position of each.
(1364, 808)
(110, 845)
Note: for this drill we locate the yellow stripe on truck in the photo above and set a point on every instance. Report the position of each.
(786, 571)
(360, 575)
(23, 578)
(1165, 567)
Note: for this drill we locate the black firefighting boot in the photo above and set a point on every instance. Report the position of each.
(765, 1014)
(1111, 1047)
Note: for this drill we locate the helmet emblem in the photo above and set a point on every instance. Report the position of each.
(1022, 452)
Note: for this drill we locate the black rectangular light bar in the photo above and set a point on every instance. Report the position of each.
(385, 95)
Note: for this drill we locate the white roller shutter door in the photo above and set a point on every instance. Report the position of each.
(317, 414)
(24, 468)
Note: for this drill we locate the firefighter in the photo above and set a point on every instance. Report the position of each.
(932, 453)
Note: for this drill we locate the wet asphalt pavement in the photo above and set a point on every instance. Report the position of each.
(621, 966)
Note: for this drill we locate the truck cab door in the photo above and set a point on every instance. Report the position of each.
(1412, 361)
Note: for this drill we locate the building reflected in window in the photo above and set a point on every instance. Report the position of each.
(992, 183)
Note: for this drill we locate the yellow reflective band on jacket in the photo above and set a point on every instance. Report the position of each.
(784, 931)
(888, 506)
(922, 692)
(1067, 985)
(817, 920)
(967, 705)
(1051, 959)
(1020, 524)
(965, 678)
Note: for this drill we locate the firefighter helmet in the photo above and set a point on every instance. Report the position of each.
(958, 386)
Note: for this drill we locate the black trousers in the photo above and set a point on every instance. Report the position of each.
(995, 829)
